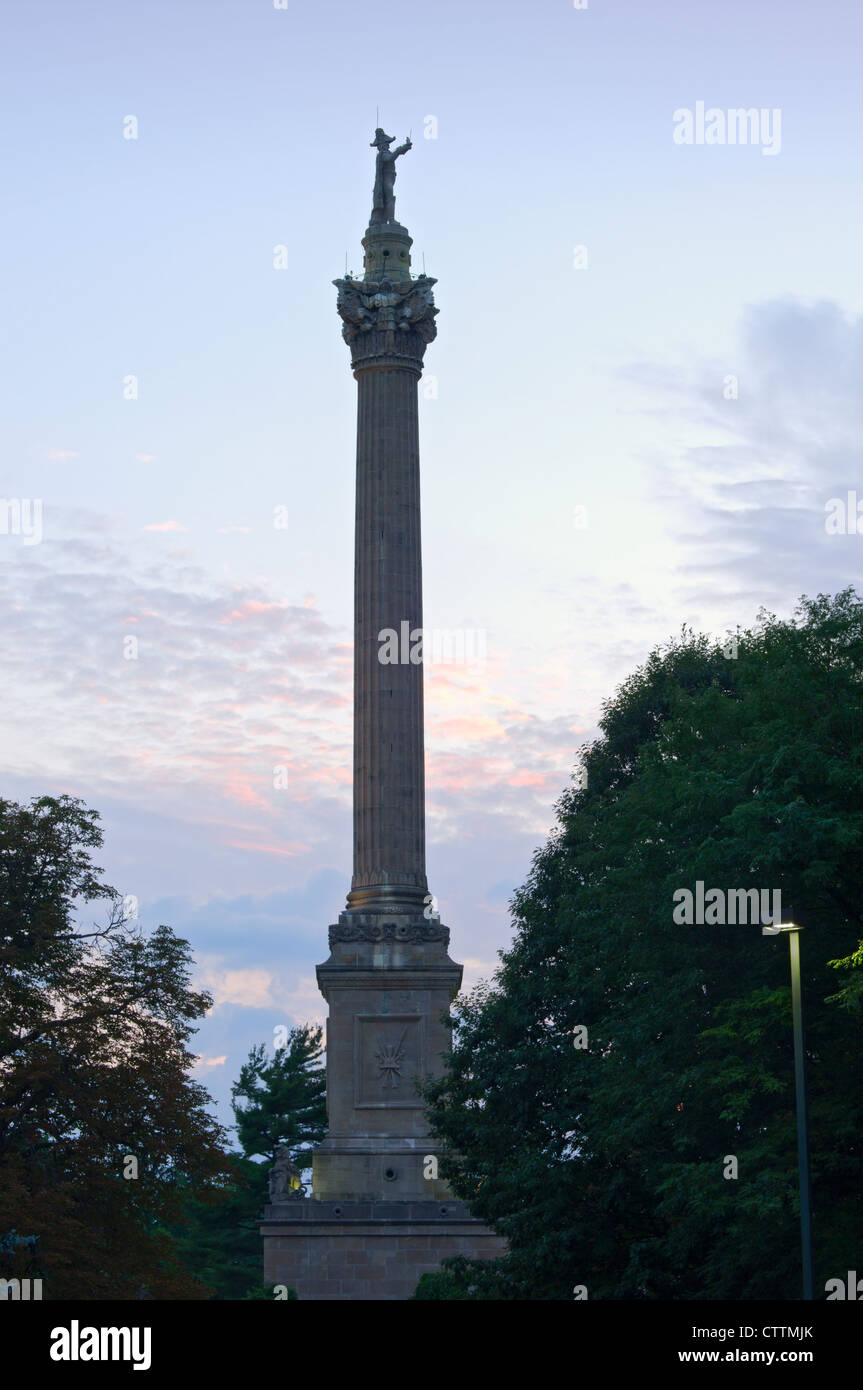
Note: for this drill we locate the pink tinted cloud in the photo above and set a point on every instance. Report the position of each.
(235, 680)
(242, 792)
(164, 526)
(472, 728)
(252, 608)
(288, 850)
(538, 780)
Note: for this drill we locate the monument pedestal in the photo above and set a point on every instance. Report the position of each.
(388, 983)
(379, 1217)
(367, 1250)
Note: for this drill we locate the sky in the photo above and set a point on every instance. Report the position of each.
(644, 392)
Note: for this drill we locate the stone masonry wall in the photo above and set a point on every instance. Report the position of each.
(368, 1259)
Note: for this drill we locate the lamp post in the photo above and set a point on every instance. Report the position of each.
(800, 1089)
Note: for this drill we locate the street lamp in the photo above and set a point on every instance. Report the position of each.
(800, 1087)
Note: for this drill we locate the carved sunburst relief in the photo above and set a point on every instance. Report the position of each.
(389, 1057)
(389, 1051)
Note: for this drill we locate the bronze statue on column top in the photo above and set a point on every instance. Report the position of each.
(384, 198)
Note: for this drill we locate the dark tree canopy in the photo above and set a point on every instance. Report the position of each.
(275, 1102)
(94, 1063)
(604, 1165)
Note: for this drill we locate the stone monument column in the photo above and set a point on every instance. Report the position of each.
(387, 320)
(379, 1215)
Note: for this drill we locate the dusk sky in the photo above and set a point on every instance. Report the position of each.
(644, 392)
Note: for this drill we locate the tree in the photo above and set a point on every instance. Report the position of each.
(275, 1102)
(269, 1293)
(217, 1234)
(603, 1156)
(98, 1115)
(283, 1101)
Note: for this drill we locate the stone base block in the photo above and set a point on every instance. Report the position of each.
(367, 1250)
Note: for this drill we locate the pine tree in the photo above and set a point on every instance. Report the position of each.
(275, 1102)
(282, 1101)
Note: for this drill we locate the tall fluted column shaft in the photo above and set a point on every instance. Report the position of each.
(388, 318)
(389, 768)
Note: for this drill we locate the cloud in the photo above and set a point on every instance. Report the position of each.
(225, 684)
(251, 988)
(745, 506)
(203, 708)
(289, 850)
(164, 526)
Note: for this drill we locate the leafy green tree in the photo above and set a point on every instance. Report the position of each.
(283, 1100)
(266, 1293)
(461, 1279)
(603, 1155)
(98, 1114)
(850, 996)
(275, 1102)
(217, 1235)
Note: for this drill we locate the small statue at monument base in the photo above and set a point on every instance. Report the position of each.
(285, 1178)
